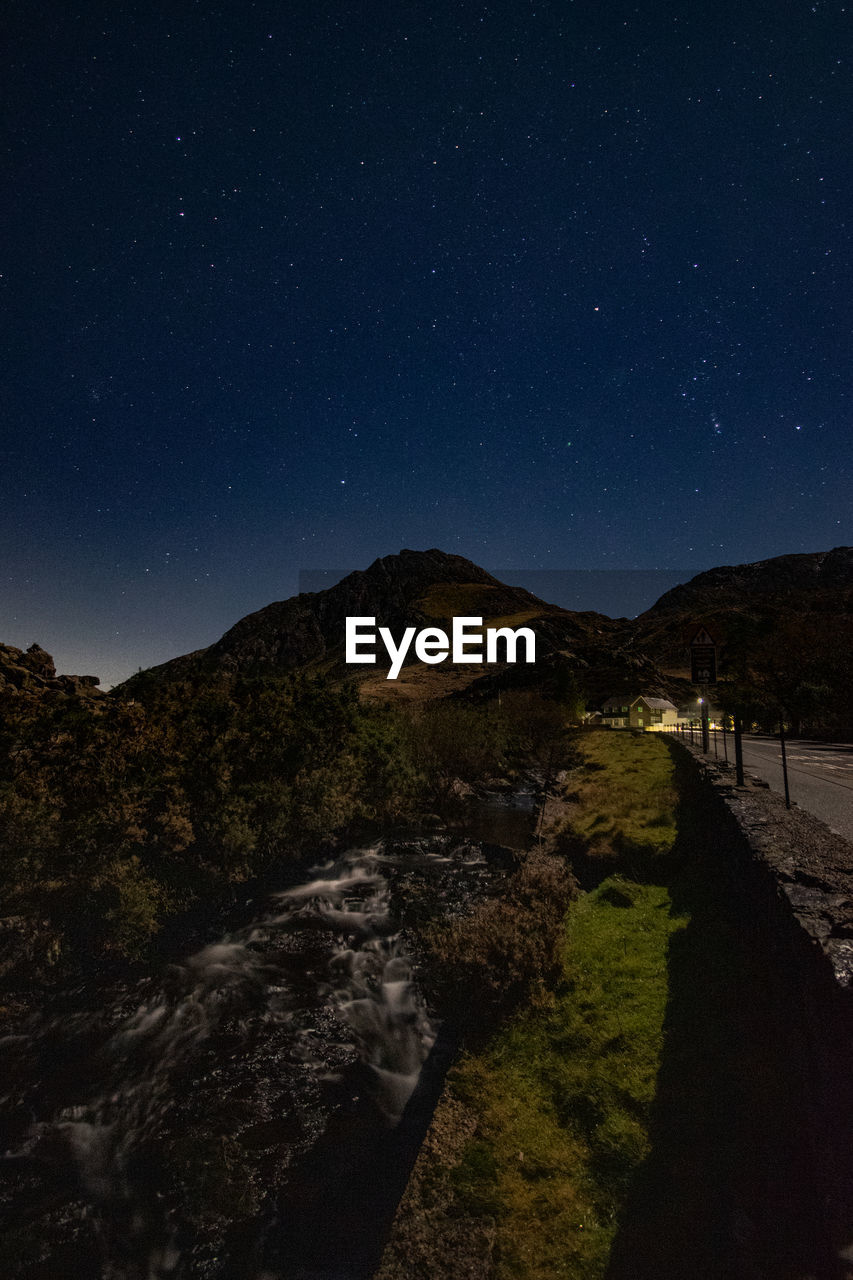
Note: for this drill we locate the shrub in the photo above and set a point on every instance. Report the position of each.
(508, 948)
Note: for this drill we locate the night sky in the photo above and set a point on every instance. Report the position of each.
(291, 286)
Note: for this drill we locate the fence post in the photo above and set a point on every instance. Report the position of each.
(784, 763)
(738, 752)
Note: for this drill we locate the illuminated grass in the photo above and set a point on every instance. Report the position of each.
(471, 599)
(625, 794)
(563, 1097)
(449, 598)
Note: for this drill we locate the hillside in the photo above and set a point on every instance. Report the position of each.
(804, 601)
(808, 593)
(413, 588)
(801, 605)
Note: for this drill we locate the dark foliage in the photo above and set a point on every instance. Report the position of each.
(117, 814)
(509, 948)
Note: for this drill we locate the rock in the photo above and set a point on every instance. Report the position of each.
(500, 856)
(34, 674)
(38, 660)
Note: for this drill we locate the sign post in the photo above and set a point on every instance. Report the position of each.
(703, 659)
(703, 671)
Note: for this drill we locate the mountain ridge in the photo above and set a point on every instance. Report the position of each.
(649, 653)
(773, 593)
(410, 588)
(32, 672)
(810, 571)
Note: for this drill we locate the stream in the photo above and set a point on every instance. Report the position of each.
(253, 1113)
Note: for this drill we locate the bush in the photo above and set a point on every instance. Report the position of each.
(508, 948)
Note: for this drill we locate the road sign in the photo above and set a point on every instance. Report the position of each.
(703, 658)
(703, 665)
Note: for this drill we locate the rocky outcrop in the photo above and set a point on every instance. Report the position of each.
(32, 672)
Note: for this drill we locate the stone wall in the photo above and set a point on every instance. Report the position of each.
(798, 876)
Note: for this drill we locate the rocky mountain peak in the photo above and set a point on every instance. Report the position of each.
(410, 588)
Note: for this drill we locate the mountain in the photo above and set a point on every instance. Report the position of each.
(412, 588)
(605, 657)
(780, 594)
(801, 604)
(822, 574)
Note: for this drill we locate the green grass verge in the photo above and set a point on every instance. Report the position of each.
(649, 1119)
(626, 794)
(563, 1096)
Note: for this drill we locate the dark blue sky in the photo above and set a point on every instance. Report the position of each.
(290, 286)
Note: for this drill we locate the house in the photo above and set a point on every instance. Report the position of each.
(615, 712)
(656, 714)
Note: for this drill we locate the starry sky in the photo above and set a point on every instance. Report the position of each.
(288, 286)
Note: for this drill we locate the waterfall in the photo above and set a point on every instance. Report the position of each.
(370, 980)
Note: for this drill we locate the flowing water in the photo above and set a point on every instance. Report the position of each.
(230, 1119)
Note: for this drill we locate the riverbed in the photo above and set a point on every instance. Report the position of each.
(252, 1112)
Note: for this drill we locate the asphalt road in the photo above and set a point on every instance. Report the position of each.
(820, 774)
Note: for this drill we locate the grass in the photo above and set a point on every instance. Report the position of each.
(564, 1099)
(471, 599)
(563, 1096)
(626, 795)
(649, 1118)
(464, 598)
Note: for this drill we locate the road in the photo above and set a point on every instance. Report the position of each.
(820, 774)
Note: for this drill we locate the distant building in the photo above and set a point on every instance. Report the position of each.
(691, 713)
(656, 714)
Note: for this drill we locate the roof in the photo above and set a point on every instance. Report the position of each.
(656, 704)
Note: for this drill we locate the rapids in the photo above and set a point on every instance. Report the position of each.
(201, 1123)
